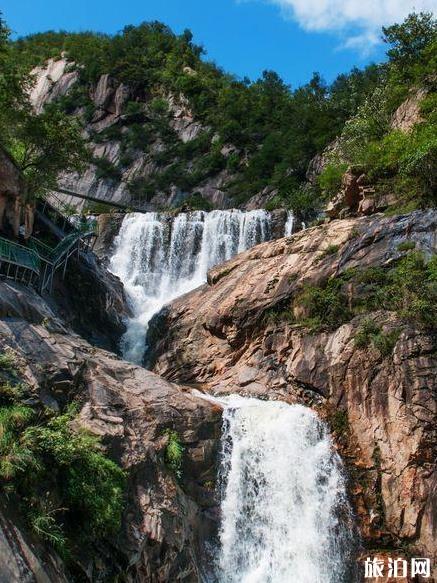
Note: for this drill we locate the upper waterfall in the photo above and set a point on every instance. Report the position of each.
(284, 512)
(160, 257)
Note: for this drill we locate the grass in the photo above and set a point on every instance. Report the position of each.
(7, 361)
(330, 250)
(406, 246)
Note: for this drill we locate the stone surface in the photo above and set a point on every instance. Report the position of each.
(130, 409)
(218, 337)
(56, 78)
(408, 113)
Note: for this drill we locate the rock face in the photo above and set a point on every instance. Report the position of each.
(408, 113)
(357, 197)
(94, 302)
(131, 409)
(219, 337)
(108, 100)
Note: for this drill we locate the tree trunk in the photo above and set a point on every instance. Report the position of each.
(29, 219)
(16, 221)
(3, 203)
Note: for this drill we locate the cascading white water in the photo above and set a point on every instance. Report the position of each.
(285, 517)
(289, 224)
(159, 258)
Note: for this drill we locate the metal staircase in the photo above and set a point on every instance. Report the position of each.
(37, 263)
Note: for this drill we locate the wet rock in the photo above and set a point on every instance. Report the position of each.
(220, 336)
(165, 520)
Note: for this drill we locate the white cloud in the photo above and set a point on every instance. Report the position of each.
(364, 16)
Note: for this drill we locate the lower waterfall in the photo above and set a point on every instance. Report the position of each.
(160, 257)
(284, 513)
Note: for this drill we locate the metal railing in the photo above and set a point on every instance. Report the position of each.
(19, 255)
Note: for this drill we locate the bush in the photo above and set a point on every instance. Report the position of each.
(61, 477)
(330, 179)
(196, 202)
(385, 342)
(366, 331)
(7, 361)
(406, 246)
(106, 170)
(174, 452)
(325, 307)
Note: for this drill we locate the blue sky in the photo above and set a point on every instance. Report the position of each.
(292, 37)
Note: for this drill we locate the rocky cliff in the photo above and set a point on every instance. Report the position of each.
(121, 176)
(246, 331)
(166, 518)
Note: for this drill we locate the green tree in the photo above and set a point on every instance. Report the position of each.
(410, 39)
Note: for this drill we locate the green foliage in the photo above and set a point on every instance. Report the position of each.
(196, 202)
(339, 422)
(276, 129)
(174, 453)
(325, 306)
(385, 342)
(330, 250)
(370, 333)
(331, 177)
(41, 145)
(406, 246)
(106, 170)
(408, 288)
(412, 289)
(366, 331)
(410, 40)
(65, 484)
(397, 162)
(7, 361)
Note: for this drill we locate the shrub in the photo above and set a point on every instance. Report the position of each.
(330, 250)
(366, 331)
(60, 476)
(406, 246)
(325, 307)
(385, 342)
(106, 170)
(174, 452)
(339, 422)
(198, 203)
(330, 178)
(7, 361)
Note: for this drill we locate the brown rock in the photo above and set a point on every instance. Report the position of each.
(130, 409)
(218, 336)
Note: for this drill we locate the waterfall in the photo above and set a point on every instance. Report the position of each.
(285, 517)
(160, 257)
(289, 224)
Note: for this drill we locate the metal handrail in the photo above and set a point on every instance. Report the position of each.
(19, 255)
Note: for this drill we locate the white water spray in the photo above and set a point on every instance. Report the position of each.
(284, 511)
(159, 257)
(289, 224)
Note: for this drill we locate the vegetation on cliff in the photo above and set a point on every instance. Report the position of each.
(66, 487)
(399, 161)
(263, 134)
(40, 145)
(408, 288)
(274, 130)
